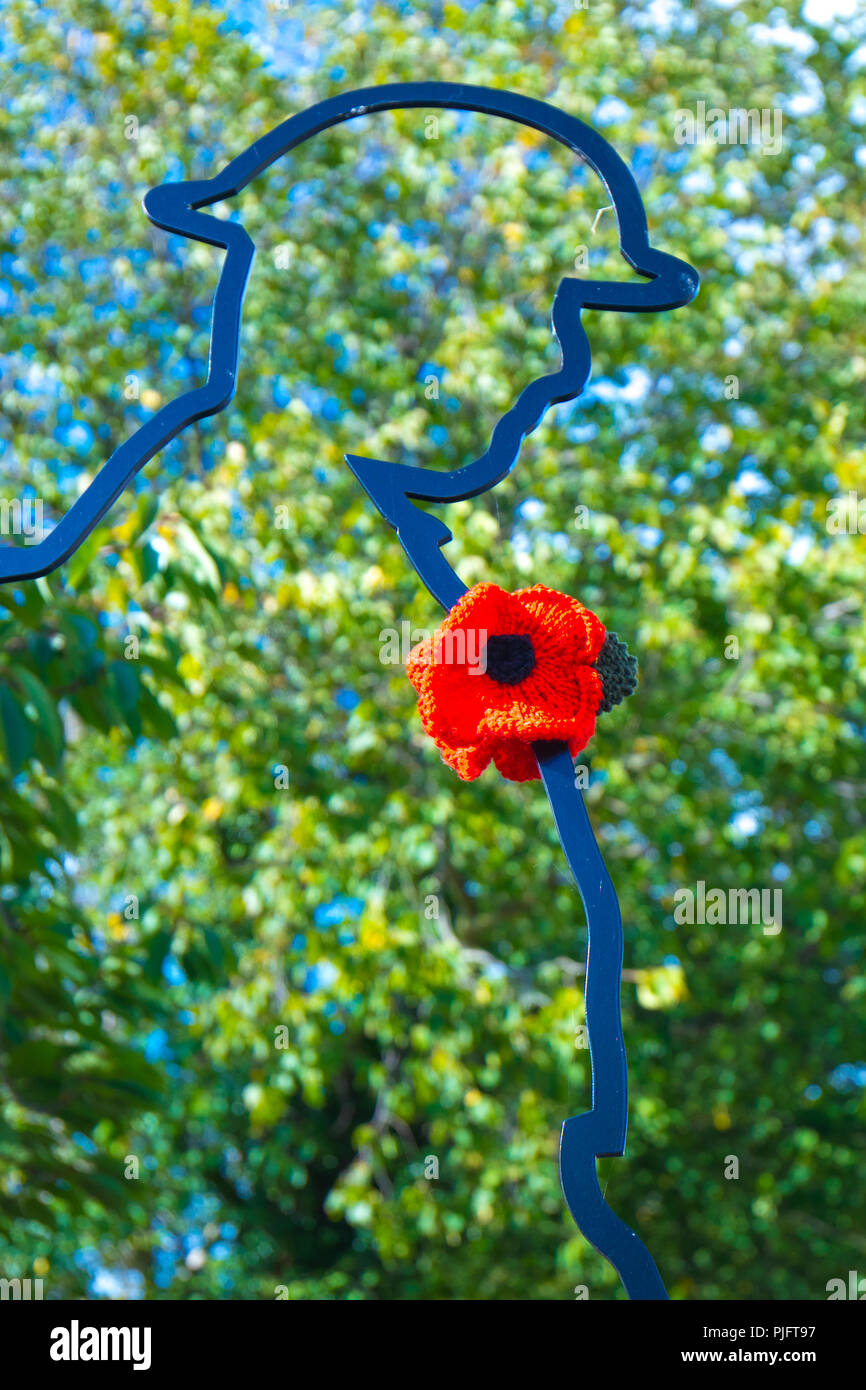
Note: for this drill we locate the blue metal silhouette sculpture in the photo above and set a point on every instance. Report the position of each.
(392, 487)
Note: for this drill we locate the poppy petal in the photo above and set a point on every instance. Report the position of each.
(468, 763)
(565, 620)
(551, 705)
(516, 761)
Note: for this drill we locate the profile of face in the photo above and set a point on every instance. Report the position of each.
(668, 283)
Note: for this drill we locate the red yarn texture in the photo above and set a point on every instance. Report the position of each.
(474, 718)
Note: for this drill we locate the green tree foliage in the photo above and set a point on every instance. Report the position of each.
(266, 967)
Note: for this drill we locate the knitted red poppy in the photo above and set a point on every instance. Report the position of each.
(505, 670)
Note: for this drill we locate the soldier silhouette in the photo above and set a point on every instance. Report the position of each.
(394, 487)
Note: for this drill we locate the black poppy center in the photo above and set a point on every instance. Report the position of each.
(510, 657)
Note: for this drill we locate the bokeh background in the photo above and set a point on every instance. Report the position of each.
(245, 1023)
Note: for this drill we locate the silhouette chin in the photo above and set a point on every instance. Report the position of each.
(386, 485)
